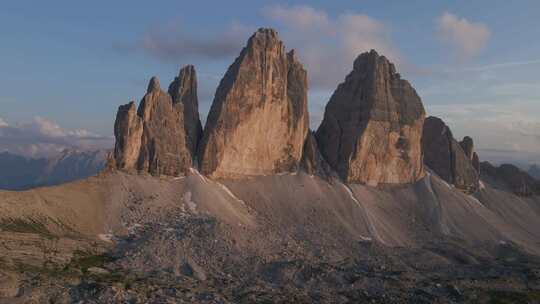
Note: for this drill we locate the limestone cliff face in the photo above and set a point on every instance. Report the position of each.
(372, 126)
(259, 120)
(445, 155)
(183, 91)
(128, 129)
(152, 139)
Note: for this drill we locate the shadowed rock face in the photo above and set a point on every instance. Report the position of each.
(183, 91)
(372, 125)
(467, 145)
(258, 121)
(152, 139)
(444, 155)
(518, 181)
(312, 160)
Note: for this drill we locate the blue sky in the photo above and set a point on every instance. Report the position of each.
(474, 63)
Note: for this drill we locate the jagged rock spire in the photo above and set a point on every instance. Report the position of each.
(152, 139)
(183, 91)
(258, 120)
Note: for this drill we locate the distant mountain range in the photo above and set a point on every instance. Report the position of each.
(534, 171)
(20, 173)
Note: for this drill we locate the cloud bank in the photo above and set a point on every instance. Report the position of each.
(465, 37)
(511, 129)
(42, 137)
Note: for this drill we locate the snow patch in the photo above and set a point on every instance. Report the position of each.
(197, 173)
(133, 228)
(365, 238)
(230, 193)
(350, 194)
(482, 186)
(474, 199)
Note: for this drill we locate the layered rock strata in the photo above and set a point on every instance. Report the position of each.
(259, 119)
(183, 91)
(152, 139)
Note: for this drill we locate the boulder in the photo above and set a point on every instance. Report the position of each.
(372, 127)
(258, 120)
(445, 156)
(183, 91)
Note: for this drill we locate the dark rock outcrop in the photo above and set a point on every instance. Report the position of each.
(467, 145)
(258, 121)
(312, 160)
(445, 156)
(515, 179)
(183, 91)
(372, 126)
(152, 139)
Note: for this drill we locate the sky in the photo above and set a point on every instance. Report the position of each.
(66, 66)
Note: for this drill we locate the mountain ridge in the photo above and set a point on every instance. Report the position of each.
(21, 173)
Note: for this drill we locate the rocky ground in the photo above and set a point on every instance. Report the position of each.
(195, 240)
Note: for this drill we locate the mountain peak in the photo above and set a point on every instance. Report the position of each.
(258, 121)
(373, 124)
(153, 85)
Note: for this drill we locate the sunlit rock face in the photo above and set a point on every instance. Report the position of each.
(372, 127)
(259, 120)
(153, 139)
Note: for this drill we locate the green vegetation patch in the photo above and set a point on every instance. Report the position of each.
(84, 260)
(26, 226)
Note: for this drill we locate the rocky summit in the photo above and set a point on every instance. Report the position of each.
(259, 120)
(445, 156)
(372, 125)
(152, 139)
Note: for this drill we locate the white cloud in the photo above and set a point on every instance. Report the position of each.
(328, 46)
(169, 42)
(467, 38)
(42, 137)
